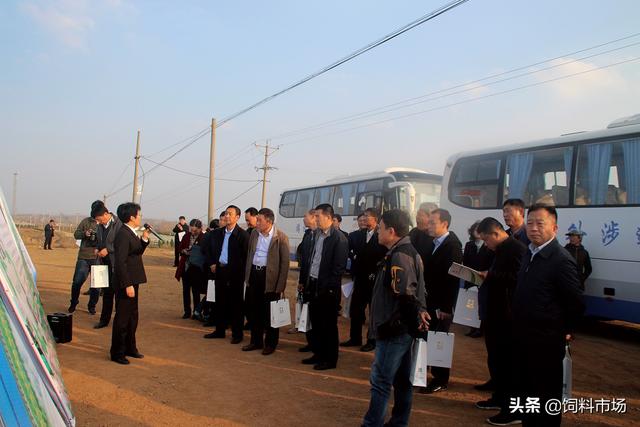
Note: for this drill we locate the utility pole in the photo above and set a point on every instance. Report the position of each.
(265, 168)
(14, 211)
(136, 193)
(212, 167)
(104, 199)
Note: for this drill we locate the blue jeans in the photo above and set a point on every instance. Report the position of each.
(83, 267)
(391, 367)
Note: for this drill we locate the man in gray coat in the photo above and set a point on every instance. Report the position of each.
(266, 278)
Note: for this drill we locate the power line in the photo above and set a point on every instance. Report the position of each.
(349, 57)
(195, 174)
(401, 103)
(464, 101)
(234, 199)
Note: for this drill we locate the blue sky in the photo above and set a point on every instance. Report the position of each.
(79, 78)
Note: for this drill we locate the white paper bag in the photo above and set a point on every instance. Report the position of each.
(298, 311)
(99, 276)
(211, 291)
(566, 374)
(347, 293)
(467, 308)
(419, 363)
(280, 313)
(305, 320)
(440, 349)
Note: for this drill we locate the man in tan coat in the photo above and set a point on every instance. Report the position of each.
(266, 278)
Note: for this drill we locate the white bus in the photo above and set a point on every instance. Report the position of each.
(350, 195)
(593, 178)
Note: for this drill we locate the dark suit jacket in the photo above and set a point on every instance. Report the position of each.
(237, 250)
(335, 251)
(442, 288)
(48, 230)
(128, 248)
(501, 280)
(356, 240)
(547, 302)
(303, 253)
(422, 242)
(367, 257)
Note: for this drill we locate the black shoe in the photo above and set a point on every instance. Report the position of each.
(475, 334)
(247, 326)
(209, 324)
(488, 404)
(72, 308)
(323, 366)
(121, 360)
(100, 325)
(251, 347)
(236, 340)
(504, 419)
(215, 334)
(313, 360)
(368, 346)
(433, 388)
(351, 343)
(488, 386)
(136, 355)
(92, 310)
(268, 350)
(186, 315)
(305, 349)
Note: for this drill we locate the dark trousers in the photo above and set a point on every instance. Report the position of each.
(440, 375)
(229, 302)
(539, 374)
(107, 298)
(83, 268)
(360, 298)
(193, 281)
(324, 322)
(47, 242)
(258, 304)
(125, 324)
(176, 253)
(497, 336)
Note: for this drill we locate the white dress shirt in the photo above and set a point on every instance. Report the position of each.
(262, 248)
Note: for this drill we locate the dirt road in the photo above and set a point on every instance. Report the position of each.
(187, 380)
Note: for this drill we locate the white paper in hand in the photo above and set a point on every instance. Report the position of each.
(211, 291)
(181, 235)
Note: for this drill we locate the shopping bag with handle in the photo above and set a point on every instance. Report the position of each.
(280, 313)
(419, 363)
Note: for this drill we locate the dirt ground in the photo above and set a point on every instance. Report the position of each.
(187, 380)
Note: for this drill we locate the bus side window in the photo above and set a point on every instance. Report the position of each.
(287, 205)
(609, 173)
(475, 182)
(344, 199)
(322, 195)
(304, 202)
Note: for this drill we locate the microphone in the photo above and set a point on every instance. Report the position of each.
(148, 227)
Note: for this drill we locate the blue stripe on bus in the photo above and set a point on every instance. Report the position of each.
(612, 309)
(12, 408)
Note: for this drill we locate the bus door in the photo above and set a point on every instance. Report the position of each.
(406, 197)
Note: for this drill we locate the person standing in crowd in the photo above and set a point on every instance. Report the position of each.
(499, 283)
(326, 266)
(129, 271)
(87, 256)
(419, 235)
(206, 245)
(355, 239)
(251, 218)
(476, 255)
(366, 259)
(513, 214)
(191, 268)
(337, 223)
(108, 227)
(442, 288)
(303, 255)
(49, 231)
(398, 313)
(180, 227)
(266, 277)
(229, 254)
(580, 254)
(547, 305)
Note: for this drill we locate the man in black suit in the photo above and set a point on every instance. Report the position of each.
(419, 235)
(303, 253)
(180, 227)
(326, 266)
(48, 234)
(366, 256)
(499, 285)
(442, 288)
(547, 305)
(129, 273)
(227, 262)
